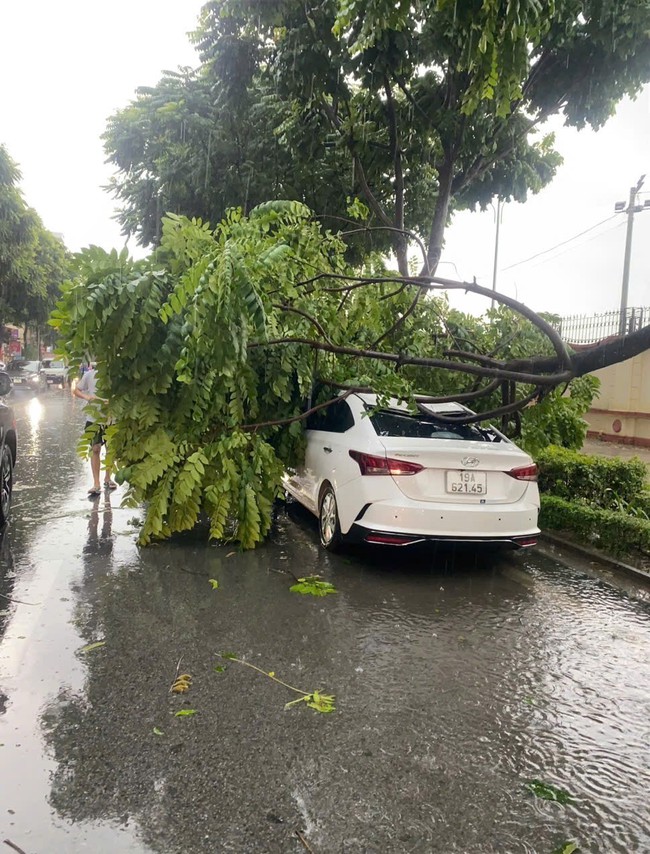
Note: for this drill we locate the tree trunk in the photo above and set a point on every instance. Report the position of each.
(434, 248)
(592, 357)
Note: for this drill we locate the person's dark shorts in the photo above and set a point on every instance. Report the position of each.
(98, 435)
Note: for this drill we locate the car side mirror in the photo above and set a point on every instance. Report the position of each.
(5, 384)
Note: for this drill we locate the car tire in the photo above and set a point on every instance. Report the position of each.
(329, 527)
(6, 483)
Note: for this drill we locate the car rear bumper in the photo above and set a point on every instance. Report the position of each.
(397, 524)
(27, 385)
(358, 534)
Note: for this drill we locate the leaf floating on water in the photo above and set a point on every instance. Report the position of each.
(549, 792)
(92, 646)
(185, 713)
(181, 684)
(311, 585)
(157, 731)
(271, 673)
(567, 848)
(214, 583)
(228, 655)
(219, 668)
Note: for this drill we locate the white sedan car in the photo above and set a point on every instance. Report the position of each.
(385, 475)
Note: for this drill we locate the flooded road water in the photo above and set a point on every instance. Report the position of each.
(458, 679)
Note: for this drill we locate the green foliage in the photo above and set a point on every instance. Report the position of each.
(316, 700)
(313, 586)
(185, 713)
(415, 109)
(604, 501)
(92, 646)
(214, 583)
(557, 418)
(33, 262)
(323, 703)
(549, 792)
(609, 530)
(567, 848)
(601, 482)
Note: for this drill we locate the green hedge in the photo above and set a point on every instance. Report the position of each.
(605, 482)
(608, 530)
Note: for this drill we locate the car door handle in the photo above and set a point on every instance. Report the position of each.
(327, 450)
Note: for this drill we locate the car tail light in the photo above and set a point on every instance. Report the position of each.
(524, 473)
(371, 465)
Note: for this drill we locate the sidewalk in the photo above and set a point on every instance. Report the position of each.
(612, 449)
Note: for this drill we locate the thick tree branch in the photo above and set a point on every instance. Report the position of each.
(401, 360)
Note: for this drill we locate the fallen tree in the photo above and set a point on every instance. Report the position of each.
(213, 351)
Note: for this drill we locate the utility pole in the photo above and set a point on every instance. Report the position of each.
(632, 208)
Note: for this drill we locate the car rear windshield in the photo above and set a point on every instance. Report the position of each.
(23, 365)
(392, 422)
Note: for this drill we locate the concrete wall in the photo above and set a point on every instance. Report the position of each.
(621, 412)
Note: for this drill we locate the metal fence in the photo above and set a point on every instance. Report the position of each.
(587, 328)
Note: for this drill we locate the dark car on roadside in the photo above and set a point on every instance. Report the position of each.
(27, 374)
(8, 447)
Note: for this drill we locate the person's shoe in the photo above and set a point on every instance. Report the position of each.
(110, 484)
(94, 492)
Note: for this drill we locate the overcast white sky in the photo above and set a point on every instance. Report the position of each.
(67, 65)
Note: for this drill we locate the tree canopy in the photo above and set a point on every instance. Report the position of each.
(33, 262)
(417, 108)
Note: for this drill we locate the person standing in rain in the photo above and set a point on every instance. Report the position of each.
(86, 389)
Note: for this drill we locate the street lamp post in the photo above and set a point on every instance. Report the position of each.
(632, 208)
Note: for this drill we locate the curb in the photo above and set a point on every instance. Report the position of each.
(554, 539)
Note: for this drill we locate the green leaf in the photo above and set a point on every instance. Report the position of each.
(567, 848)
(157, 731)
(220, 668)
(185, 713)
(92, 646)
(312, 586)
(549, 792)
(323, 703)
(214, 583)
(228, 654)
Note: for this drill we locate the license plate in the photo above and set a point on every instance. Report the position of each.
(466, 482)
(17, 381)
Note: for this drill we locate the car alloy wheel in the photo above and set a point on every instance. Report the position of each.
(6, 483)
(328, 521)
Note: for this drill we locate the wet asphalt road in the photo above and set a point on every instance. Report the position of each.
(457, 677)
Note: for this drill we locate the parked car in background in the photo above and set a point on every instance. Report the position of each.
(8, 447)
(388, 476)
(56, 372)
(27, 374)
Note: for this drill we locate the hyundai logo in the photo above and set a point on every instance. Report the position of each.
(470, 462)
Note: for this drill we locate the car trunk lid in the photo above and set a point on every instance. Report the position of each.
(457, 471)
